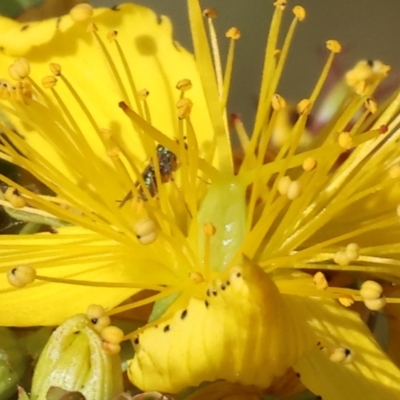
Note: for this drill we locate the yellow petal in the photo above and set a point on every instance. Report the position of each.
(75, 254)
(366, 374)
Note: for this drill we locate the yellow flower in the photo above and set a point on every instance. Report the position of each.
(130, 134)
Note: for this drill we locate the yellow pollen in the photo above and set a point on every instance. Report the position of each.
(376, 304)
(371, 105)
(341, 258)
(309, 164)
(112, 334)
(345, 140)
(371, 290)
(145, 230)
(281, 4)
(283, 185)
(341, 355)
(233, 33)
(210, 13)
(19, 69)
(303, 107)
(334, 46)
(294, 190)
(81, 12)
(143, 94)
(184, 107)
(92, 27)
(352, 251)
(346, 301)
(14, 198)
(184, 85)
(97, 316)
(320, 281)
(49, 82)
(278, 102)
(55, 69)
(299, 12)
(112, 36)
(21, 276)
(209, 229)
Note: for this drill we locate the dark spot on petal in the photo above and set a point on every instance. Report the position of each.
(318, 343)
(115, 8)
(347, 352)
(146, 45)
(238, 274)
(227, 283)
(136, 341)
(94, 321)
(206, 303)
(208, 292)
(13, 271)
(223, 287)
(318, 398)
(24, 27)
(214, 292)
(76, 332)
(159, 19)
(166, 328)
(184, 314)
(297, 374)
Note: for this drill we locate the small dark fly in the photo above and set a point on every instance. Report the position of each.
(167, 163)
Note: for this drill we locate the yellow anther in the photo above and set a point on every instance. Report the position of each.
(14, 197)
(92, 27)
(184, 107)
(233, 33)
(341, 258)
(113, 152)
(376, 304)
(320, 281)
(334, 46)
(303, 107)
(196, 277)
(371, 105)
(280, 4)
(294, 190)
(278, 102)
(209, 229)
(112, 35)
(81, 12)
(371, 290)
(55, 69)
(283, 185)
(184, 85)
(346, 301)
(145, 230)
(352, 251)
(143, 94)
(299, 12)
(309, 164)
(19, 69)
(210, 13)
(49, 81)
(106, 133)
(112, 334)
(345, 140)
(111, 348)
(97, 316)
(21, 276)
(366, 71)
(341, 355)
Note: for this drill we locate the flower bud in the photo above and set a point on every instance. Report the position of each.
(74, 360)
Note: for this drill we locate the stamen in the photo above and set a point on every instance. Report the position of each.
(210, 14)
(14, 197)
(320, 281)
(97, 316)
(21, 276)
(145, 231)
(372, 295)
(341, 355)
(19, 69)
(233, 34)
(112, 336)
(209, 232)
